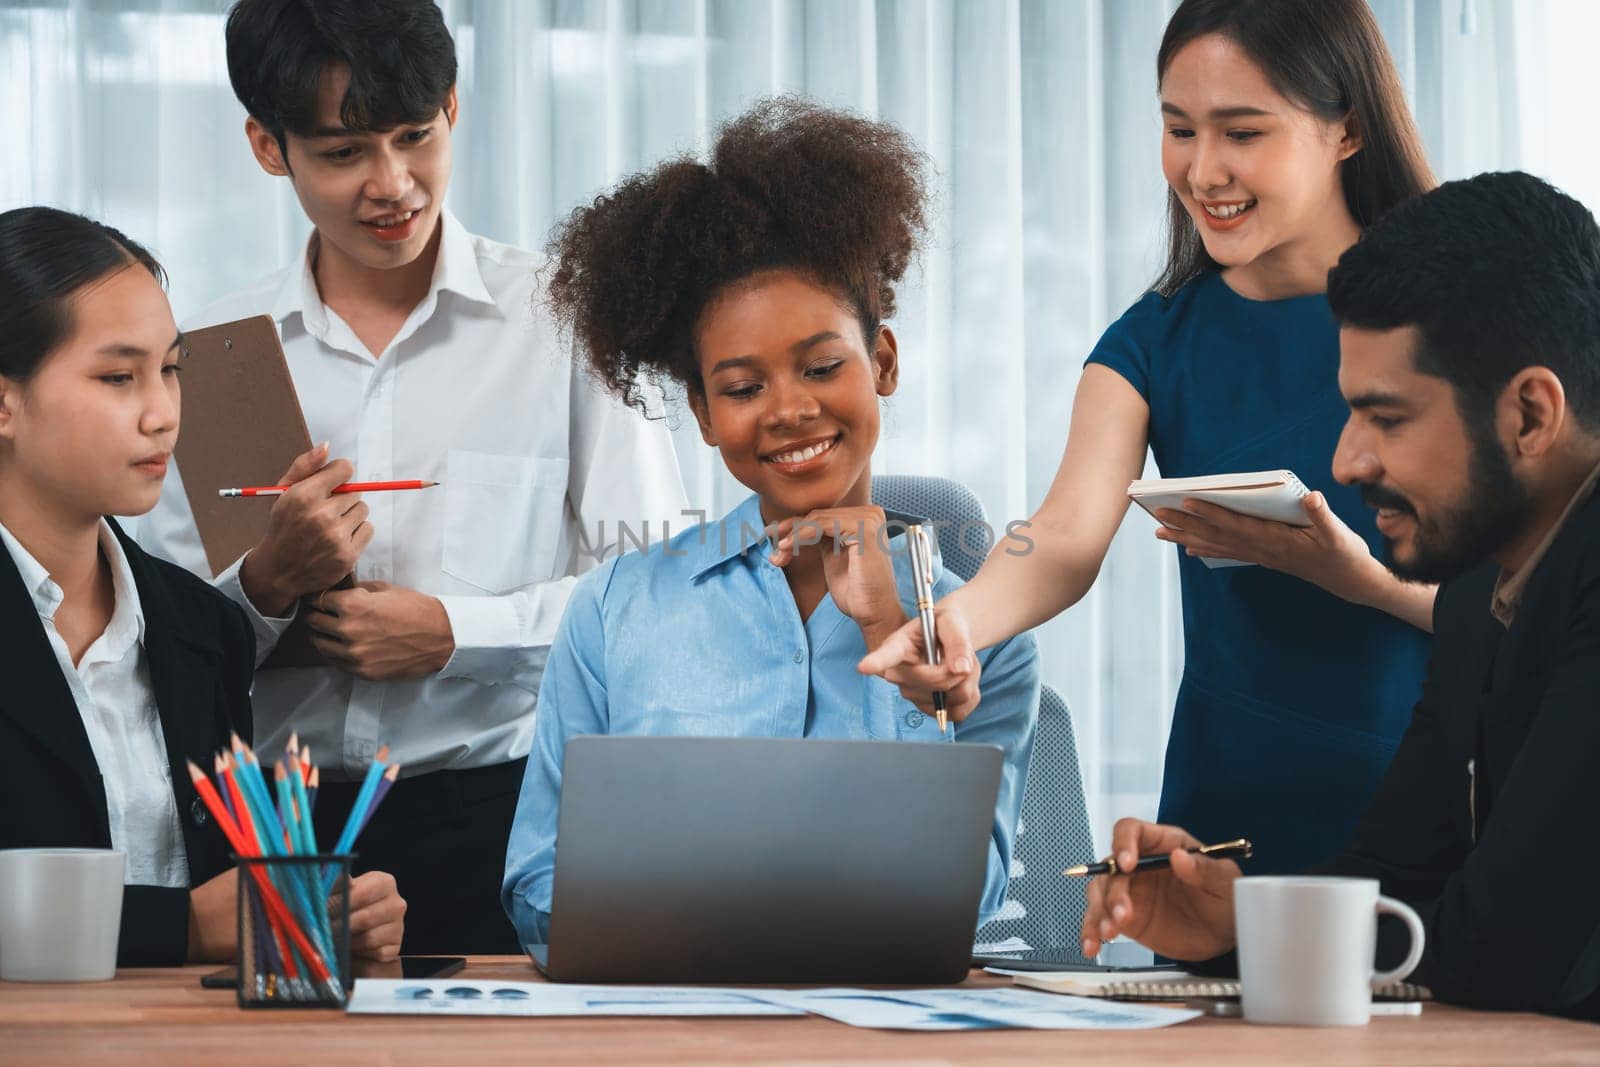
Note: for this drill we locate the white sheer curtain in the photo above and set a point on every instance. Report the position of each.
(1039, 114)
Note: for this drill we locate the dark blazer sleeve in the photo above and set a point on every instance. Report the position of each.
(1514, 923)
(155, 927)
(1417, 829)
(1412, 834)
(155, 919)
(238, 671)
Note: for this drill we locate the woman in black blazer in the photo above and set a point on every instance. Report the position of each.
(115, 667)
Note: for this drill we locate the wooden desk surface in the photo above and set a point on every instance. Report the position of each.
(163, 1016)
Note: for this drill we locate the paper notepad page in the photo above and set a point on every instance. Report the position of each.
(1166, 985)
(1273, 495)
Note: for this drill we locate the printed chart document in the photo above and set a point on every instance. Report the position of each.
(975, 1009)
(391, 996)
(904, 1009)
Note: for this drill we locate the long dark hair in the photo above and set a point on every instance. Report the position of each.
(46, 255)
(1328, 56)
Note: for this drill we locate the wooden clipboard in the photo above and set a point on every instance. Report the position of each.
(242, 425)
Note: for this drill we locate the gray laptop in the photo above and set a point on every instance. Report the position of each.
(764, 860)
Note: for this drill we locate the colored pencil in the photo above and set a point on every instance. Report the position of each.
(352, 823)
(301, 814)
(222, 788)
(378, 794)
(275, 839)
(263, 937)
(271, 830)
(347, 487)
(296, 833)
(358, 810)
(304, 881)
(273, 902)
(246, 823)
(297, 791)
(256, 847)
(302, 842)
(293, 943)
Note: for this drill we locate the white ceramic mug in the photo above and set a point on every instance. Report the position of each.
(1306, 946)
(60, 913)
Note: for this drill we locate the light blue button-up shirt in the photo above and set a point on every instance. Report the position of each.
(700, 636)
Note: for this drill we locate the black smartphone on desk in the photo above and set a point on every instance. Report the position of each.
(1116, 956)
(412, 968)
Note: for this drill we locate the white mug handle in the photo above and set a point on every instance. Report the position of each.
(1391, 906)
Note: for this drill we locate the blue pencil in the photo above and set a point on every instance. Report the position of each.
(286, 811)
(352, 823)
(258, 796)
(248, 774)
(271, 831)
(358, 810)
(308, 881)
(378, 794)
(302, 807)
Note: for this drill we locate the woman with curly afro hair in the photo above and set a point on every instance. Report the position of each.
(759, 283)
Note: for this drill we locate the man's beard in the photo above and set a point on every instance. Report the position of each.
(1488, 515)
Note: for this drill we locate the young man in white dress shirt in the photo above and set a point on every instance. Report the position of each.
(417, 351)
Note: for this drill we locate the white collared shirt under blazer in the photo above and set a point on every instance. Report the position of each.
(110, 684)
(537, 468)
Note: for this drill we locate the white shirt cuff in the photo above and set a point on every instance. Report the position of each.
(268, 629)
(487, 631)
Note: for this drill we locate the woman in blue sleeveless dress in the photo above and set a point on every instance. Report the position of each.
(1285, 132)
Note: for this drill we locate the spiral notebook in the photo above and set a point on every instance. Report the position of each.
(1271, 495)
(1164, 985)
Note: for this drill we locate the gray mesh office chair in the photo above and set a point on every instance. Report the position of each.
(1042, 908)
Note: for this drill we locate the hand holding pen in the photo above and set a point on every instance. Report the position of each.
(314, 535)
(922, 581)
(1238, 848)
(902, 660)
(1179, 903)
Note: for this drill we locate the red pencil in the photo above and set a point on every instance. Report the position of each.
(347, 487)
(276, 909)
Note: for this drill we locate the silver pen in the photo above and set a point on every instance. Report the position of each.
(922, 583)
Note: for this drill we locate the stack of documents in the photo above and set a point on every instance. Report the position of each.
(907, 1009)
